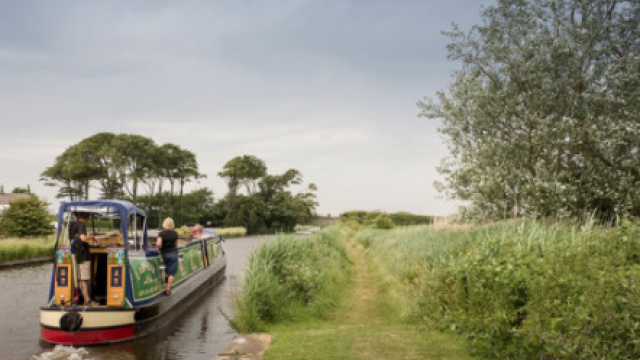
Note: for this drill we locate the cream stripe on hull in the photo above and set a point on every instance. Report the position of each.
(90, 319)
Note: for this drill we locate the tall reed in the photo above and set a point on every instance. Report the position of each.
(232, 231)
(292, 278)
(520, 291)
(26, 248)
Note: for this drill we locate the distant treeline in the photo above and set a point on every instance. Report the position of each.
(398, 218)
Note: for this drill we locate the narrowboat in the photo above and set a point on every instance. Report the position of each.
(128, 282)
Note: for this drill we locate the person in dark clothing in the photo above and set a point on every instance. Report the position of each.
(168, 245)
(78, 233)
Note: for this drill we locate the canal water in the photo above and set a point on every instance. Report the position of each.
(201, 332)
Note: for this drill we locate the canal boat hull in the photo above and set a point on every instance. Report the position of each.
(130, 284)
(103, 325)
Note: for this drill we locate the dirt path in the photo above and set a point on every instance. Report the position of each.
(362, 329)
(384, 337)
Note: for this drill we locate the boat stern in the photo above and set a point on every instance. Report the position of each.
(86, 325)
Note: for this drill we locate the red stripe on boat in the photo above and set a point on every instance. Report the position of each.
(86, 337)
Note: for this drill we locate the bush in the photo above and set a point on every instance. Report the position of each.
(26, 217)
(394, 219)
(291, 278)
(405, 219)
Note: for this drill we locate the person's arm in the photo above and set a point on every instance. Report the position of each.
(86, 238)
(159, 242)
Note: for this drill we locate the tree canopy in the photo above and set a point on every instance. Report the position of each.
(120, 165)
(543, 117)
(117, 165)
(270, 203)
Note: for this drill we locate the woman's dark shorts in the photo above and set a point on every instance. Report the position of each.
(170, 262)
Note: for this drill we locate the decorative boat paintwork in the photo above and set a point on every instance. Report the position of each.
(128, 278)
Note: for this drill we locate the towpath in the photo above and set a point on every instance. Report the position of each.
(360, 329)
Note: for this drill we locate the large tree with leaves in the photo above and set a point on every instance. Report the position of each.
(543, 117)
(244, 170)
(117, 164)
(269, 202)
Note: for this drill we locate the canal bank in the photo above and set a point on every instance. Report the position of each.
(362, 327)
(246, 347)
(25, 262)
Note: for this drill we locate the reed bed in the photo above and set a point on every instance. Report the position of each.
(26, 248)
(292, 278)
(232, 231)
(520, 290)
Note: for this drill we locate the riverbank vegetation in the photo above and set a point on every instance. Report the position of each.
(521, 290)
(348, 319)
(293, 278)
(26, 217)
(511, 290)
(30, 247)
(232, 232)
(379, 217)
(12, 249)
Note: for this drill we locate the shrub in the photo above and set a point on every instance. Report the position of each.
(394, 219)
(26, 217)
(405, 218)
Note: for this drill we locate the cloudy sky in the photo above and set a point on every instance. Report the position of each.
(328, 87)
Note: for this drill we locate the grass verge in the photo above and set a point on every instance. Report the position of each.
(232, 231)
(26, 248)
(363, 327)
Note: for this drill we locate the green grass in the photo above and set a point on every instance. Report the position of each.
(26, 248)
(363, 327)
(232, 231)
(321, 299)
(292, 278)
(331, 341)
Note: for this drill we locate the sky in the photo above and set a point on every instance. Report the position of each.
(325, 87)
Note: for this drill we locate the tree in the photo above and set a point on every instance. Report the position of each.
(242, 170)
(542, 118)
(99, 150)
(249, 212)
(269, 203)
(118, 164)
(73, 171)
(284, 209)
(26, 217)
(135, 156)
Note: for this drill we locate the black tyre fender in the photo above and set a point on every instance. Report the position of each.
(71, 321)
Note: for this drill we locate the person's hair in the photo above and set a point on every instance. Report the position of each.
(198, 227)
(83, 215)
(168, 224)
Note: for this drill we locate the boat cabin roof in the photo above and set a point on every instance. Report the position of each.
(121, 207)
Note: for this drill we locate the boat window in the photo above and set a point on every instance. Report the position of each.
(137, 224)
